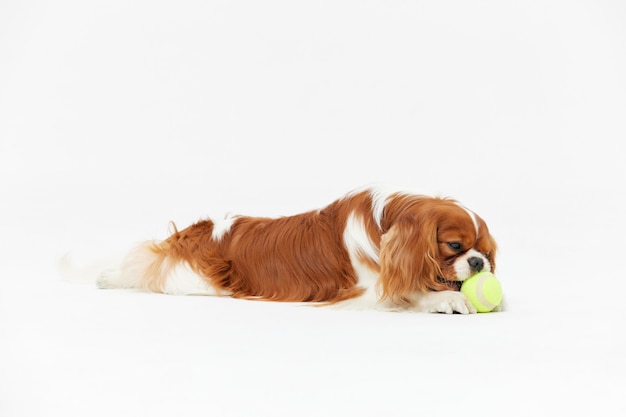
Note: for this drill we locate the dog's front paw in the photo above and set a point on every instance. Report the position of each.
(447, 302)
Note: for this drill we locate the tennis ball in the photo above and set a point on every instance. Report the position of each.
(483, 290)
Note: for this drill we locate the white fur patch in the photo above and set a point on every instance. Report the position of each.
(380, 196)
(462, 267)
(447, 302)
(221, 227)
(367, 279)
(132, 269)
(174, 278)
(181, 280)
(358, 243)
(357, 240)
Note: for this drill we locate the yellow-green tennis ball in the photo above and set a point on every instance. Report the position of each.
(483, 290)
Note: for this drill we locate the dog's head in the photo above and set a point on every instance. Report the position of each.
(432, 244)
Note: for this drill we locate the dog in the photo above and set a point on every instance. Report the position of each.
(373, 248)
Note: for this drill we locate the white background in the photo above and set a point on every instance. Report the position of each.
(117, 117)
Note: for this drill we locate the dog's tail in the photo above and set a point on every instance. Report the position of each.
(170, 266)
(74, 273)
(145, 267)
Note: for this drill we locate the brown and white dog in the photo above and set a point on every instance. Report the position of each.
(373, 248)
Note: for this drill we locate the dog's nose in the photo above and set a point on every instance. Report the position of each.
(476, 264)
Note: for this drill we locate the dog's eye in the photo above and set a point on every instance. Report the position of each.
(455, 245)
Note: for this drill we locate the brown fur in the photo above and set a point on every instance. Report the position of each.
(303, 257)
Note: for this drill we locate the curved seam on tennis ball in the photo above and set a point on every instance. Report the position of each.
(480, 295)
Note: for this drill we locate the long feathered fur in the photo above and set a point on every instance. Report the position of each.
(312, 256)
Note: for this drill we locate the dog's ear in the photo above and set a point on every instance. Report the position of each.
(486, 243)
(492, 253)
(408, 258)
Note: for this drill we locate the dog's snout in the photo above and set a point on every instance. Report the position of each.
(476, 263)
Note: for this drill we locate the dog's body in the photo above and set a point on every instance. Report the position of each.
(369, 249)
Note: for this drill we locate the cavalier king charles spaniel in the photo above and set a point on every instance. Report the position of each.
(373, 248)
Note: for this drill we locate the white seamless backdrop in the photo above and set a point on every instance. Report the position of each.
(117, 117)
